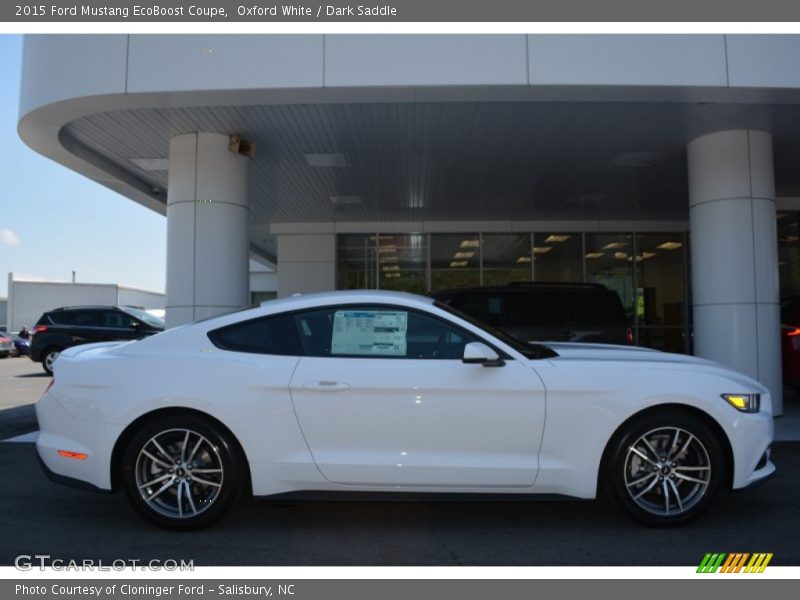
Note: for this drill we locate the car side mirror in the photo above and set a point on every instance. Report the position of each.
(478, 353)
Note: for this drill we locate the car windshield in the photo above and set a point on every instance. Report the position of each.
(145, 316)
(527, 349)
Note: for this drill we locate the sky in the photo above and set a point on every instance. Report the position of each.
(54, 221)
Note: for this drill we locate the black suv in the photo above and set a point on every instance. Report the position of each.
(70, 326)
(533, 311)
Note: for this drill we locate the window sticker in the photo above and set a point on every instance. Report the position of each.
(369, 332)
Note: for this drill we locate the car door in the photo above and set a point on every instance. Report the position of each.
(384, 399)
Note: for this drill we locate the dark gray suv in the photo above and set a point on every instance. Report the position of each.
(70, 326)
(533, 311)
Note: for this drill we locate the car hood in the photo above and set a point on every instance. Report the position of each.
(645, 357)
(574, 350)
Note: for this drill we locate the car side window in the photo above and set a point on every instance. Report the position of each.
(267, 335)
(77, 318)
(379, 332)
(117, 320)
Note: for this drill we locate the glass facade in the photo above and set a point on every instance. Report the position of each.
(647, 270)
(789, 252)
(455, 260)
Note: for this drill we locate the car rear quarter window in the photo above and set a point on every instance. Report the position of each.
(268, 335)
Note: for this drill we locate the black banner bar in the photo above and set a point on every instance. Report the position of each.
(398, 11)
(707, 586)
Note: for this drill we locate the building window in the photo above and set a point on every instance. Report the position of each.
(506, 257)
(789, 252)
(455, 260)
(649, 271)
(609, 260)
(402, 262)
(356, 262)
(661, 291)
(558, 257)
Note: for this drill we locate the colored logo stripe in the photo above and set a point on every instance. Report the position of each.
(711, 563)
(734, 562)
(758, 563)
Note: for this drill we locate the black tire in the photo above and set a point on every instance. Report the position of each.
(45, 359)
(209, 502)
(672, 499)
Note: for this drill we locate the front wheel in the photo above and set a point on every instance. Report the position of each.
(182, 472)
(665, 468)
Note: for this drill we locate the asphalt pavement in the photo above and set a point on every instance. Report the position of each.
(40, 517)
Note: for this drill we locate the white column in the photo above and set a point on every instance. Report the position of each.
(734, 253)
(207, 228)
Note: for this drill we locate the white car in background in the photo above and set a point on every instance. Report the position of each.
(378, 391)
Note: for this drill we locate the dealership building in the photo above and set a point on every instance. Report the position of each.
(664, 167)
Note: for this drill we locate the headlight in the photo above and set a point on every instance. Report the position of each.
(749, 403)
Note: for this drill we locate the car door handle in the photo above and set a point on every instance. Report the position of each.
(327, 386)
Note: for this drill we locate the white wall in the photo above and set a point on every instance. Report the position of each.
(306, 263)
(29, 299)
(134, 297)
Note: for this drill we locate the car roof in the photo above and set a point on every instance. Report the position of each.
(85, 307)
(327, 298)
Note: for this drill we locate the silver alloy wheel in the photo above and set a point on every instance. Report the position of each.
(667, 471)
(50, 359)
(179, 473)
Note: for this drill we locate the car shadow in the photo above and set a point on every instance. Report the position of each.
(29, 375)
(17, 421)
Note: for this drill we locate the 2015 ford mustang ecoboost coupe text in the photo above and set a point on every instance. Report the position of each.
(377, 391)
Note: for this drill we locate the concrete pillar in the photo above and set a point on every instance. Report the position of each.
(207, 228)
(306, 263)
(734, 253)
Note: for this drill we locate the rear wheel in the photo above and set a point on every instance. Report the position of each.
(665, 468)
(182, 472)
(48, 358)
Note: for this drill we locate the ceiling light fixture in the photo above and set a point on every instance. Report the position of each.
(595, 254)
(463, 255)
(343, 200)
(458, 263)
(327, 160)
(523, 259)
(669, 245)
(613, 245)
(556, 238)
(471, 244)
(542, 249)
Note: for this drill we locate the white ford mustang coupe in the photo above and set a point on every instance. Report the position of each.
(377, 391)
